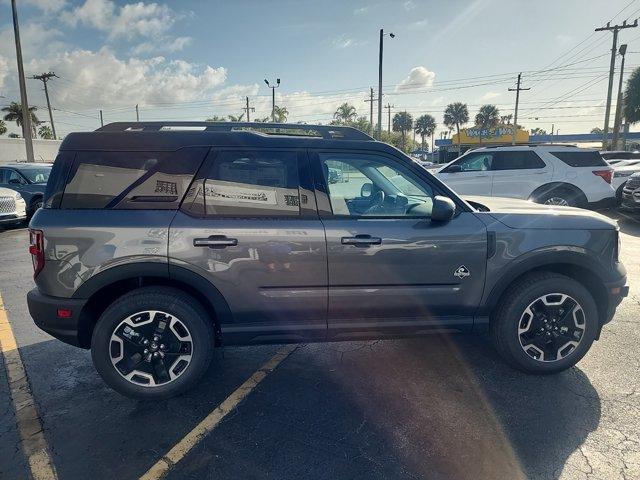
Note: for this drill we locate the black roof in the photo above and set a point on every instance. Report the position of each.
(169, 136)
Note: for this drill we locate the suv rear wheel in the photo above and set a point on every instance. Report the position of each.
(561, 196)
(545, 324)
(154, 342)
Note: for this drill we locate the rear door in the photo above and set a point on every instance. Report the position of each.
(471, 174)
(250, 226)
(517, 173)
(390, 267)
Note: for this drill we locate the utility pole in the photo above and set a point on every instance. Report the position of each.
(273, 97)
(618, 117)
(515, 114)
(137, 113)
(26, 115)
(388, 106)
(45, 77)
(382, 34)
(614, 48)
(101, 120)
(249, 109)
(371, 100)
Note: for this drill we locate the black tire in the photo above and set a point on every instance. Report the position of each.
(35, 204)
(571, 197)
(173, 302)
(509, 314)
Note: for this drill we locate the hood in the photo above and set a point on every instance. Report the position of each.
(516, 213)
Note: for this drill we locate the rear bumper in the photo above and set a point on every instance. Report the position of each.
(44, 311)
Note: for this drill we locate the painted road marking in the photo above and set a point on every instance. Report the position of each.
(33, 442)
(191, 439)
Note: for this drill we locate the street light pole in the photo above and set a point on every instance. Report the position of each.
(382, 34)
(26, 115)
(273, 97)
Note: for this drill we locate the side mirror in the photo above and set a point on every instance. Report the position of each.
(443, 209)
(15, 181)
(454, 169)
(366, 190)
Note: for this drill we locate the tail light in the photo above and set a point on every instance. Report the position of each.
(606, 175)
(36, 249)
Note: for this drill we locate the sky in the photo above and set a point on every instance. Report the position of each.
(189, 60)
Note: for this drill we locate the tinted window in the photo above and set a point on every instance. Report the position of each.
(517, 160)
(37, 175)
(476, 162)
(250, 183)
(2, 175)
(587, 158)
(131, 180)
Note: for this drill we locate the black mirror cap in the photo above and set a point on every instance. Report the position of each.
(443, 209)
(454, 169)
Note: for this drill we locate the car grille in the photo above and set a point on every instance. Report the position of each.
(632, 184)
(7, 205)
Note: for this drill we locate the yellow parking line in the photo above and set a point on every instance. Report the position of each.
(180, 450)
(33, 442)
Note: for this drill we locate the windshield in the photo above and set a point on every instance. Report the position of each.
(36, 175)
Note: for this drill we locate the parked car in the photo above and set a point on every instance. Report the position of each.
(621, 157)
(335, 175)
(547, 174)
(12, 207)
(631, 194)
(621, 173)
(155, 245)
(30, 179)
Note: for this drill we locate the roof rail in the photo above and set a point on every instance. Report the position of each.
(533, 144)
(328, 132)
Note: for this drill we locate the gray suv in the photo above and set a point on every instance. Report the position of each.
(159, 241)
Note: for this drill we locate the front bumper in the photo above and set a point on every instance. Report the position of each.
(630, 201)
(604, 204)
(12, 218)
(616, 291)
(44, 311)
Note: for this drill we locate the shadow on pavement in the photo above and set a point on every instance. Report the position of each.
(628, 223)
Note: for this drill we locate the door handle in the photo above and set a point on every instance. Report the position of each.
(215, 241)
(361, 240)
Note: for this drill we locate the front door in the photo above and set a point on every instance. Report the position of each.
(251, 228)
(390, 267)
(470, 174)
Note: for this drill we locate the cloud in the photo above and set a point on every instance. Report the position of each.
(419, 77)
(166, 45)
(418, 24)
(464, 18)
(47, 5)
(563, 40)
(131, 20)
(489, 96)
(409, 5)
(343, 41)
(36, 39)
(361, 11)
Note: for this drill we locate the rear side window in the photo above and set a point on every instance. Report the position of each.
(517, 160)
(131, 180)
(588, 158)
(250, 183)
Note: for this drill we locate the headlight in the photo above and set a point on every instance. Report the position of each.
(622, 174)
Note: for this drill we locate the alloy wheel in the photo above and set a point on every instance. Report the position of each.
(551, 327)
(557, 201)
(151, 348)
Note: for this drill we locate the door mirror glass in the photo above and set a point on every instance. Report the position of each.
(454, 169)
(443, 209)
(15, 181)
(366, 190)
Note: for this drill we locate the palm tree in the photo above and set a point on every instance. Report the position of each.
(345, 113)
(45, 132)
(597, 130)
(456, 114)
(538, 131)
(236, 118)
(281, 114)
(216, 118)
(425, 127)
(14, 114)
(402, 122)
(632, 98)
(488, 117)
(3, 127)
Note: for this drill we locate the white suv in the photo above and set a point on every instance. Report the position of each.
(549, 174)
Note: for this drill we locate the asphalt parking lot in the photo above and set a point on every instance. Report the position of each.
(438, 407)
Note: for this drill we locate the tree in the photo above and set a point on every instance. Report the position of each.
(216, 118)
(456, 114)
(3, 127)
(236, 118)
(363, 124)
(402, 122)
(425, 127)
(506, 119)
(45, 132)
(597, 131)
(263, 120)
(538, 131)
(281, 114)
(632, 98)
(345, 114)
(14, 114)
(488, 117)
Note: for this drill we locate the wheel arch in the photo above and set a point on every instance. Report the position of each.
(551, 186)
(105, 287)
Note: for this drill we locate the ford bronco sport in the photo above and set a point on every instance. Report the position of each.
(159, 241)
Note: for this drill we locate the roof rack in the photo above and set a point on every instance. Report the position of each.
(533, 144)
(328, 132)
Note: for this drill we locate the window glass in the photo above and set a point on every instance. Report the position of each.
(476, 162)
(252, 183)
(3, 175)
(37, 175)
(371, 185)
(517, 160)
(131, 180)
(587, 158)
(14, 178)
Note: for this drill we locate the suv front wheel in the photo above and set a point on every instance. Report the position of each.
(154, 342)
(545, 324)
